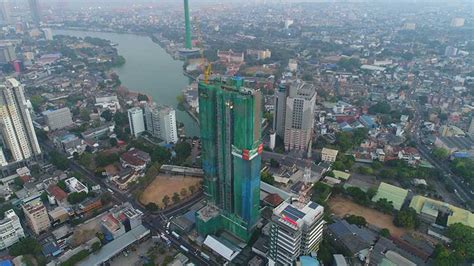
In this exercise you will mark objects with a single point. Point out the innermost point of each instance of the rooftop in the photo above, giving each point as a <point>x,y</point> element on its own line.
<point>296,214</point>
<point>114,247</point>
<point>392,193</point>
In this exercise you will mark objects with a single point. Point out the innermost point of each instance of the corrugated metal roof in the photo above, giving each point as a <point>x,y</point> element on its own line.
<point>392,193</point>
<point>221,249</point>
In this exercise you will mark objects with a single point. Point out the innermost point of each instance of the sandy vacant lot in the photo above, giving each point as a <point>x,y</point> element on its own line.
<point>167,185</point>
<point>342,207</point>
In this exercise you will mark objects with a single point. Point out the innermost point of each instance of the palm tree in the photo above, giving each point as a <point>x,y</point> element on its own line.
<point>183,192</point>
<point>176,198</point>
<point>166,200</point>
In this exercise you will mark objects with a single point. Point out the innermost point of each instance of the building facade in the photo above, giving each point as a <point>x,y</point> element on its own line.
<point>7,53</point>
<point>296,230</point>
<point>16,125</point>
<point>10,230</point>
<point>230,122</point>
<point>329,155</point>
<point>161,123</point>
<point>294,114</point>
<point>36,216</point>
<point>57,119</point>
<point>35,11</point>
<point>136,121</point>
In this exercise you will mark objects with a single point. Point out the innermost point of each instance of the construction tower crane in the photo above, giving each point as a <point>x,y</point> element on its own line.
<point>208,67</point>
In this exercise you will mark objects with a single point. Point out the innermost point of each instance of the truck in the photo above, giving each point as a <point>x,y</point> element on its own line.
<point>185,249</point>
<point>175,234</point>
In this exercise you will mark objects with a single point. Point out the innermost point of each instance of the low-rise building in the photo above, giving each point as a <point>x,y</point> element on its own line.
<point>329,155</point>
<point>75,185</point>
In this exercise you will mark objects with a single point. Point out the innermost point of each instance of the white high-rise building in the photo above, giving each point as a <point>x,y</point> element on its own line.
<point>136,121</point>
<point>48,34</point>
<point>457,22</point>
<point>294,114</point>
<point>5,12</point>
<point>15,122</point>
<point>296,230</point>
<point>10,230</point>
<point>161,123</point>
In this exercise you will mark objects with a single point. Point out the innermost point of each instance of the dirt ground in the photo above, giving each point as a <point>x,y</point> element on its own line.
<point>167,185</point>
<point>342,207</point>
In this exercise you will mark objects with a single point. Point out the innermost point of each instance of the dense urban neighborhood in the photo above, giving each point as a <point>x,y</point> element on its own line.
<point>236,132</point>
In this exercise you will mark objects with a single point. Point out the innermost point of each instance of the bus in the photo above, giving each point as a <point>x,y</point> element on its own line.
<point>175,234</point>
<point>185,249</point>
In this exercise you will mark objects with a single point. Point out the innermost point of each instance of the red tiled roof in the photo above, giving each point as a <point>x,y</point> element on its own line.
<point>273,199</point>
<point>57,192</point>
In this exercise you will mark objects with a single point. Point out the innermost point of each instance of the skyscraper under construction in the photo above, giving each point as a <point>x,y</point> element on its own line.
<point>230,121</point>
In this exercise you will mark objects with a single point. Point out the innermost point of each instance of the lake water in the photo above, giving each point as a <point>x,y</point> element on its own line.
<point>148,69</point>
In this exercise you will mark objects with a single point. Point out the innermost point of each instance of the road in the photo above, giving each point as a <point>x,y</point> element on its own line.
<point>461,191</point>
<point>154,222</point>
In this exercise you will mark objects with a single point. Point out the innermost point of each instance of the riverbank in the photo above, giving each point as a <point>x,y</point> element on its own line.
<point>148,70</point>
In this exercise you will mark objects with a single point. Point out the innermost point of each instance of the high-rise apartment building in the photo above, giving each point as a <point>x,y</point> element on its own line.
<point>57,119</point>
<point>16,125</point>
<point>35,11</point>
<point>36,216</point>
<point>294,114</point>
<point>7,53</point>
<point>230,122</point>
<point>296,230</point>
<point>10,230</point>
<point>136,121</point>
<point>161,122</point>
<point>5,12</point>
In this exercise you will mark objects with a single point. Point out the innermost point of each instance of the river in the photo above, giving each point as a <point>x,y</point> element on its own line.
<point>148,69</point>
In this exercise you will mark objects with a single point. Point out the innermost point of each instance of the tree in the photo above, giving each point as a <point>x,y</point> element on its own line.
<point>62,185</point>
<point>267,178</point>
<point>59,160</point>
<point>462,237</point>
<point>120,119</point>
<point>18,183</point>
<point>440,153</point>
<point>44,197</point>
<point>184,192</point>
<point>142,97</point>
<point>166,200</point>
<point>113,142</point>
<point>380,108</point>
<point>104,159</point>
<point>85,115</point>
<point>152,207</point>
<point>371,192</point>
<point>37,101</point>
<point>358,195</point>
<point>406,218</point>
<point>183,150</point>
<point>96,247</point>
<point>385,232</point>
<point>27,245</point>
<point>384,205</point>
<point>320,192</point>
<point>76,197</point>
<point>160,155</point>
<point>107,115</point>
<point>176,198</point>
<point>85,159</point>
<point>365,170</point>
<point>106,198</point>
<point>192,189</point>
<point>274,163</point>
<point>357,220</point>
